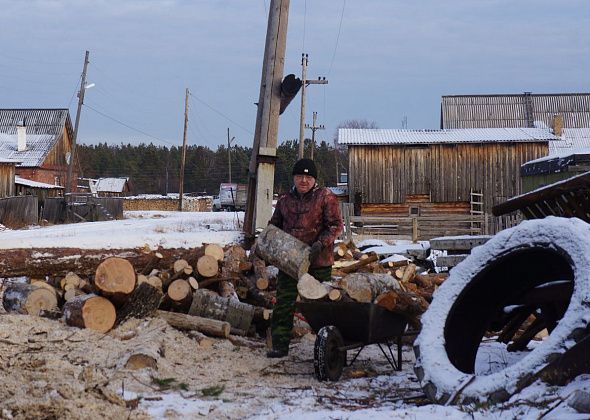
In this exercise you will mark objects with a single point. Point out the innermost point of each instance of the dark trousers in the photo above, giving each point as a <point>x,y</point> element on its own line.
<point>284,309</point>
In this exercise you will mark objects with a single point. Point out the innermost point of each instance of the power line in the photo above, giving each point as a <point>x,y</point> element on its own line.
<point>221,113</point>
<point>127,125</point>
<point>337,37</point>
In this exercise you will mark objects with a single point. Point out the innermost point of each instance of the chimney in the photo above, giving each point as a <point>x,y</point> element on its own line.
<point>21,137</point>
<point>557,125</point>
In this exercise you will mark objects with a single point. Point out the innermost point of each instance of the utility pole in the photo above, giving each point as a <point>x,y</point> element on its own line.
<point>313,129</point>
<point>229,153</point>
<point>262,161</point>
<point>181,186</point>
<point>304,84</point>
<point>68,186</point>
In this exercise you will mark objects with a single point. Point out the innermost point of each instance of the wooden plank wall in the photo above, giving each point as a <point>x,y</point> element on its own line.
<point>388,174</point>
<point>7,179</point>
<point>16,212</point>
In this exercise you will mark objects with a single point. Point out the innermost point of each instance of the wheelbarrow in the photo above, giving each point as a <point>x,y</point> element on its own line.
<point>344,326</point>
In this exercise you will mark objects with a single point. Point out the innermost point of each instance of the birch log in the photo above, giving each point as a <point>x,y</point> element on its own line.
<point>90,311</point>
<point>28,299</point>
<point>284,251</point>
<point>365,287</point>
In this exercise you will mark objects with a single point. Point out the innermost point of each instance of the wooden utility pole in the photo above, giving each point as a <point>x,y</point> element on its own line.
<point>313,129</point>
<point>68,186</point>
<point>262,161</point>
<point>229,153</point>
<point>304,84</point>
<point>183,159</point>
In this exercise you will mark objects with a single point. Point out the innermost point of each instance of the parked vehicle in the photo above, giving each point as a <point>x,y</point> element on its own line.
<point>232,196</point>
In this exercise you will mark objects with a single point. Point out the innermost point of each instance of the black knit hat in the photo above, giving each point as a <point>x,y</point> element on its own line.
<point>305,167</point>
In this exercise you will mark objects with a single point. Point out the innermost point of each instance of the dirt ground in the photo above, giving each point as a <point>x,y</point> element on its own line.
<point>49,370</point>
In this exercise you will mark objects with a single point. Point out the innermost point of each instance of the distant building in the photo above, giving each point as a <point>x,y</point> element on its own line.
<point>434,172</point>
<point>40,140</point>
<point>514,110</point>
<point>110,187</point>
<point>7,174</point>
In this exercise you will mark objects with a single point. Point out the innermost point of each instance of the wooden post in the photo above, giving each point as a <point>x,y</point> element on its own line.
<point>261,169</point>
<point>414,229</point>
<point>181,185</point>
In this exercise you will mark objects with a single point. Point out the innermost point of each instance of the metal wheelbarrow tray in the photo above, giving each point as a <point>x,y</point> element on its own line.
<point>343,326</point>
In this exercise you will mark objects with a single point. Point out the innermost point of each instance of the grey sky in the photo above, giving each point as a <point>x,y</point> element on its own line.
<point>392,59</point>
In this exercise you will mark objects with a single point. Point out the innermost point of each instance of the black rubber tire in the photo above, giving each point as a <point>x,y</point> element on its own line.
<point>328,359</point>
<point>533,253</point>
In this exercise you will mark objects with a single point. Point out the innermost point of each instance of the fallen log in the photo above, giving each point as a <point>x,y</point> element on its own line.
<point>207,326</point>
<point>90,311</point>
<point>28,299</point>
<point>354,267</point>
<point>207,305</point>
<point>37,262</point>
<point>310,288</point>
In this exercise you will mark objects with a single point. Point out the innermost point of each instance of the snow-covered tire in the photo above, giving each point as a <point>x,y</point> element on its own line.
<point>328,359</point>
<point>533,253</point>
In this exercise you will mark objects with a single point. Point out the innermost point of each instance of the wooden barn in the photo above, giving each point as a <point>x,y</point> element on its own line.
<point>111,187</point>
<point>423,173</point>
<point>40,140</point>
<point>515,110</point>
<point>7,174</point>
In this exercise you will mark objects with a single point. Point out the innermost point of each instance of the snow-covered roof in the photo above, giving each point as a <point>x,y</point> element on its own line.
<point>2,160</point>
<point>111,184</point>
<point>44,128</point>
<point>38,146</point>
<point>365,136</point>
<point>35,184</point>
<point>572,140</point>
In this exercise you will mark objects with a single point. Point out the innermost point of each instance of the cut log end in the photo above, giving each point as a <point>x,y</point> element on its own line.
<point>207,266</point>
<point>115,276</point>
<point>310,288</point>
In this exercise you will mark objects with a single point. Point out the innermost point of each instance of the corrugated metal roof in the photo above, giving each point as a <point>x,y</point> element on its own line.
<point>111,184</point>
<point>38,145</point>
<point>573,140</point>
<point>44,129</point>
<point>35,184</point>
<point>514,110</point>
<point>366,136</point>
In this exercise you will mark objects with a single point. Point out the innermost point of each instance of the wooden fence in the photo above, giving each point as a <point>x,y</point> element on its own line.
<point>82,208</point>
<point>416,228</point>
<point>16,212</point>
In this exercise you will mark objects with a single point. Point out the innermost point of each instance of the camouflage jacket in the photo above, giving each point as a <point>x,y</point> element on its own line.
<point>315,216</point>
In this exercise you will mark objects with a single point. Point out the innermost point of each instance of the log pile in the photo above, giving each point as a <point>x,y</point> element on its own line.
<point>398,285</point>
<point>210,290</point>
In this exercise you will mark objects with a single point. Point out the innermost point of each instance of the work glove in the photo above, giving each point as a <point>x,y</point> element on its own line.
<point>316,248</point>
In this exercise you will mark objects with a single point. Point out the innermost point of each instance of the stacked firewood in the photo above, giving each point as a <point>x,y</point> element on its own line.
<point>399,285</point>
<point>214,291</point>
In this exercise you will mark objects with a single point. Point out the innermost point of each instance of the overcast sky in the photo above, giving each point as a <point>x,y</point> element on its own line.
<point>384,60</point>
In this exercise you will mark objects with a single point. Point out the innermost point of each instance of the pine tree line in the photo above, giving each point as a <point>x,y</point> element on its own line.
<point>155,169</point>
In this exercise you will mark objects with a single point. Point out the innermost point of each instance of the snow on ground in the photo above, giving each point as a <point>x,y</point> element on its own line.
<point>155,228</point>
<point>49,369</point>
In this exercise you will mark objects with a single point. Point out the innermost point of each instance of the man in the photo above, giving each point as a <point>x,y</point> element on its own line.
<point>312,215</point>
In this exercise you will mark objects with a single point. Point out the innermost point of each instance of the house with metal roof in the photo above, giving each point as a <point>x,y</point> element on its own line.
<point>110,187</point>
<point>40,140</point>
<point>435,172</point>
<point>514,110</point>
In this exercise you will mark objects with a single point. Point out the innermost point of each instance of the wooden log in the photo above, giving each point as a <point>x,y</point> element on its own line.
<point>310,288</point>
<point>143,302</point>
<point>237,313</point>
<point>72,293</point>
<point>427,280</point>
<point>90,311</point>
<point>28,299</point>
<point>365,287</point>
<point>354,267</point>
<point>251,294</point>
<point>42,283</point>
<point>207,266</point>
<point>207,326</point>
<point>409,273</point>
<point>215,251</point>
<point>200,338</point>
<point>193,283</point>
<point>179,265</point>
<point>70,279</point>
<point>284,251</point>
<point>153,262</point>
<point>145,347</point>
<point>115,277</point>
<point>226,289</point>
<point>259,266</point>
<point>37,262</point>
<point>408,304</point>
<point>154,281</point>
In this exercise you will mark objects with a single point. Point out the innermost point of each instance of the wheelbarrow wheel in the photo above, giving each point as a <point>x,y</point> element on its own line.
<point>328,358</point>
